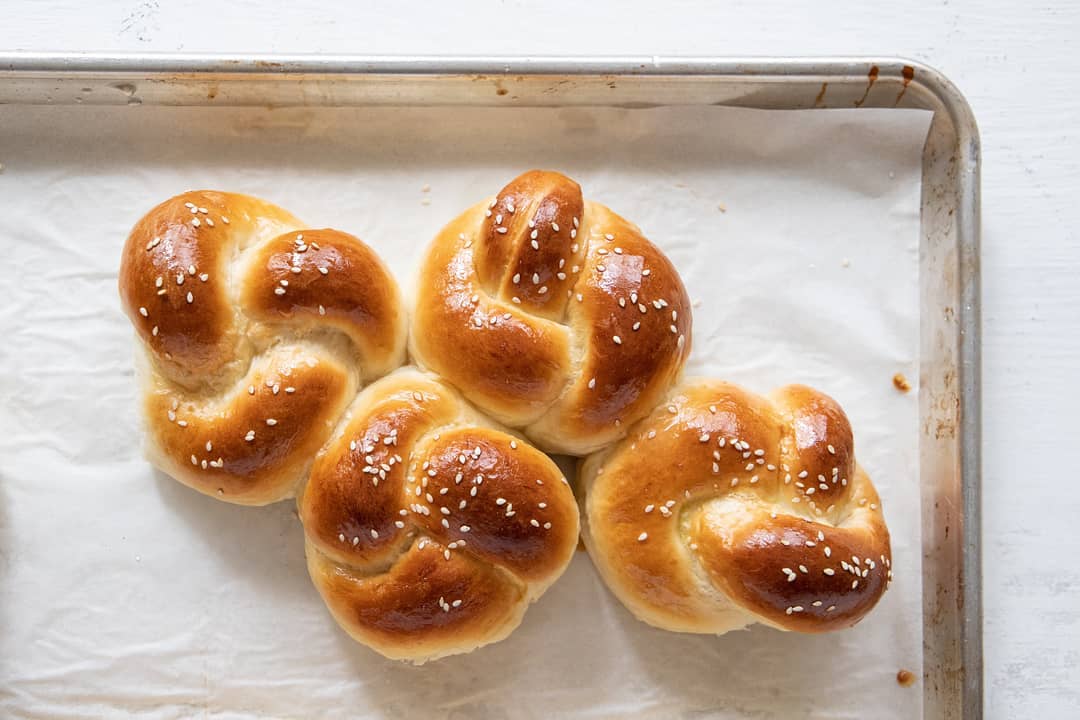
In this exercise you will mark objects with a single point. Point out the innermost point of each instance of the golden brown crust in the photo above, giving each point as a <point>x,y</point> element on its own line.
<point>175,268</point>
<point>418,498</point>
<point>246,370</point>
<point>250,444</point>
<point>423,604</point>
<point>724,508</point>
<point>337,281</point>
<point>554,314</point>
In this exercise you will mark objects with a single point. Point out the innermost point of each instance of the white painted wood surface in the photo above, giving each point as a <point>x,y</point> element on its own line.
<point>1018,65</point>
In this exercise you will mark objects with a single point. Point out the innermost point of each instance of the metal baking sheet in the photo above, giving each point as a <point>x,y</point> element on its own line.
<point>948,385</point>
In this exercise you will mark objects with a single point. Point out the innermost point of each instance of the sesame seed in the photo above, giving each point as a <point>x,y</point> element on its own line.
<point>592,383</point>
<point>190,298</point>
<point>643,537</point>
<point>271,422</point>
<point>617,339</point>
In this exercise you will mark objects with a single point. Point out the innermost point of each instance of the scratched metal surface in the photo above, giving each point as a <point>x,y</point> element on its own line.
<point>1016,64</point>
<point>949,470</point>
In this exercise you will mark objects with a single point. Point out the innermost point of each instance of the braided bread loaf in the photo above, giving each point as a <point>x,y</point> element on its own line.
<point>723,508</point>
<point>257,334</point>
<point>551,313</point>
<point>429,530</point>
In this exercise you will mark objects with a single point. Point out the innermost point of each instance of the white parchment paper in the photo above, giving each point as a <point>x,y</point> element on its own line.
<point>123,593</point>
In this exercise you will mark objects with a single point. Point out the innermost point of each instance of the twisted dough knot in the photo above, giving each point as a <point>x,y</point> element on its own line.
<point>429,531</point>
<point>553,314</point>
<point>725,508</point>
<point>257,335</point>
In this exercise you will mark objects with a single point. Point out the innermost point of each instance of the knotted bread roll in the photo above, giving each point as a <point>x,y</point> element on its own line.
<point>724,508</point>
<point>257,334</point>
<point>429,530</point>
<point>551,313</point>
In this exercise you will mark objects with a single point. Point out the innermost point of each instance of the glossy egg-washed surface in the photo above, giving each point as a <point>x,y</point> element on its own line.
<point>552,313</point>
<point>257,333</point>
<point>429,531</point>
<point>724,508</point>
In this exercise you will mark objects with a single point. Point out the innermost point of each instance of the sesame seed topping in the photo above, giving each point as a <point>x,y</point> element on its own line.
<point>271,422</point>
<point>643,537</point>
<point>592,383</point>
<point>617,339</point>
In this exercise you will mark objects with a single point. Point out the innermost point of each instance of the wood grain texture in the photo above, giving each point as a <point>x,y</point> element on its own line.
<point>1017,64</point>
